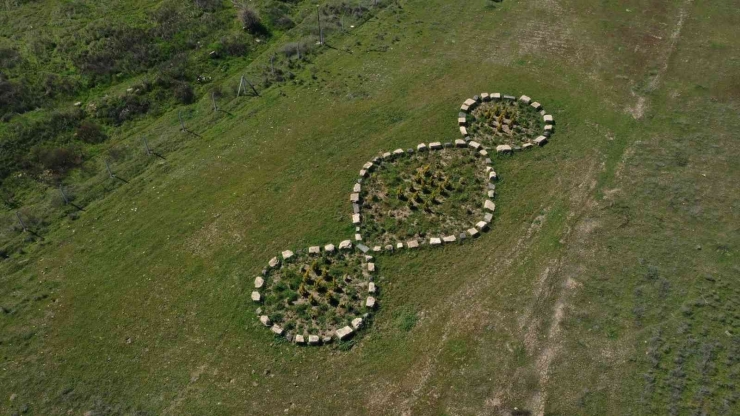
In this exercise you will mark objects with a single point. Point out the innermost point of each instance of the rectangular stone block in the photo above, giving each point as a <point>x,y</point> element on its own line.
<point>503,148</point>
<point>357,323</point>
<point>435,241</point>
<point>460,143</point>
<point>287,254</point>
<point>370,302</point>
<point>277,330</point>
<point>489,205</point>
<point>469,102</point>
<point>473,232</point>
<point>355,218</point>
<point>412,244</point>
<point>329,248</point>
<point>371,267</point>
<point>540,141</point>
<point>371,287</point>
<point>474,145</point>
<point>435,145</point>
<point>485,97</point>
<point>265,320</point>
<point>354,197</point>
<point>345,245</point>
<point>313,340</point>
<point>488,217</point>
<point>525,99</point>
<point>481,225</point>
<point>299,339</point>
<point>496,96</point>
<point>344,333</point>
<point>421,147</point>
<point>537,106</point>
<point>449,239</point>
<point>259,282</point>
<point>461,121</point>
<point>463,131</point>
<point>548,119</point>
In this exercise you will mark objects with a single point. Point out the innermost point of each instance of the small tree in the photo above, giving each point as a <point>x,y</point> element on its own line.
<point>250,19</point>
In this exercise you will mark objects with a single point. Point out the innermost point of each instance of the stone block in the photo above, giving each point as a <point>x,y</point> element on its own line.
<point>435,241</point>
<point>368,258</point>
<point>492,176</point>
<point>548,119</point>
<point>370,302</point>
<point>314,250</point>
<point>398,152</point>
<point>399,245</point>
<point>463,131</point>
<point>357,188</point>
<point>537,106</point>
<point>274,262</point>
<point>485,97</point>
<point>461,121</point>
<point>344,333</point>
<point>460,143</point>
<point>358,237</point>
<point>386,155</point>
<point>363,248</point>
<point>256,296</point>
<point>363,173</point>
<point>265,320</point>
<point>527,146</point>
<point>357,323</point>
<point>496,96</point>
<point>421,147</point>
<point>488,217</point>
<point>371,267</point>
<point>525,99</point>
<point>412,244</point>
<point>388,247</point>
<point>371,287</point>
<point>549,129</point>
<point>329,248</point>
<point>299,339</point>
<point>464,108</point>
<point>354,197</point>
<point>449,239</point>
<point>277,330</point>
<point>489,205</point>
<point>509,98</point>
<point>473,232</point>
<point>287,254</point>
<point>481,225</point>
<point>259,282</point>
<point>540,141</point>
<point>368,166</point>
<point>355,208</point>
<point>474,145</point>
<point>435,145</point>
<point>377,249</point>
<point>491,193</point>
<point>503,148</point>
<point>345,245</point>
<point>483,152</point>
<point>356,219</point>
<point>470,102</point>
<point>313,340</point>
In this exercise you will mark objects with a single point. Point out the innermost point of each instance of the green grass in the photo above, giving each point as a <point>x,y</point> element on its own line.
<point>591,267</point>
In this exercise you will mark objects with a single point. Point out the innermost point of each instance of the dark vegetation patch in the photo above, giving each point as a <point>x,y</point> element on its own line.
<point>505,122</point>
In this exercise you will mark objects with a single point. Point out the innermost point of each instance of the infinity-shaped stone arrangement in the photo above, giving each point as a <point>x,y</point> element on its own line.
<point>324,293</point>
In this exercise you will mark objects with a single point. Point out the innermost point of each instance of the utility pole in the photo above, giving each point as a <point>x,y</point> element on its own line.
<point>241,83</point>
<point>321,31</point>
<point>110,173</point>
<point>23,225</point>
<point>182,123</point>
<point>64,196</point>
<point>213,98</point>
<point>251,86</point>
<point>146,146</point>
<point>272,64</point>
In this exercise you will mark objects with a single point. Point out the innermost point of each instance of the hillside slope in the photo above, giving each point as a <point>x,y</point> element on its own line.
<point>606,286</point>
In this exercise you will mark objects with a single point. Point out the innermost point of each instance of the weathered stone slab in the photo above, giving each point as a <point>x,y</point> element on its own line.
<point>313,340</point>
<point>358,237</point>
<point>492,176</point>
<point>473,144</point>
<point>363,173</point>
<point>491,193</point>
<point>344,333</point>
<point>354,197</point>
<point>549,128</point>
<point>368,257</point>
<point>357,188</point>
<point>370,302</point>
<point>461,121</point>
<point>398,152</point>
<point>345,245</point>
<point>483,152</point>
<point>469,102</point>
<point>463,131</point>
<point>299,339</point>
<point>314,250</point>
<point>389,247</point>
<point>473,232</point>
<point>435,241</point>
<point>399,245</point>
<point>386,155</point>
<point>265,320</point>
<point>287,254</point>
<point>357,323</point>
<point>421,147</point>
<point>489,205</point>
<point>435,145</point>
<point>481,225</point>
<point>355,208</point>
<point>525,99</point>
<point>485,97</point>
<point>368,166</point>
<point>412,244</point>
<point>356,219</point>
<point>460,143</point>
<point>371,287</point>
<point>488,217</point>
<point>527,146</point>
<point>274,262</point>
<point>464,108</point>
<point>371,267</point>
<point>503,148</point>
<point>259,282</point>
<point>377,249</point>
<point>509,98</point>
<point>363,248</point>
<point>256,296</point>
<point>540,141</point>
<point>548,119</point>
<point>329,248</point>
<point>496,96</point>
<point>537,106</point>
<point>449,239</point>
<point>277,330</point>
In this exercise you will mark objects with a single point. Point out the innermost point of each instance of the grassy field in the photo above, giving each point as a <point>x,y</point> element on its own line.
<point>607,285</point>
